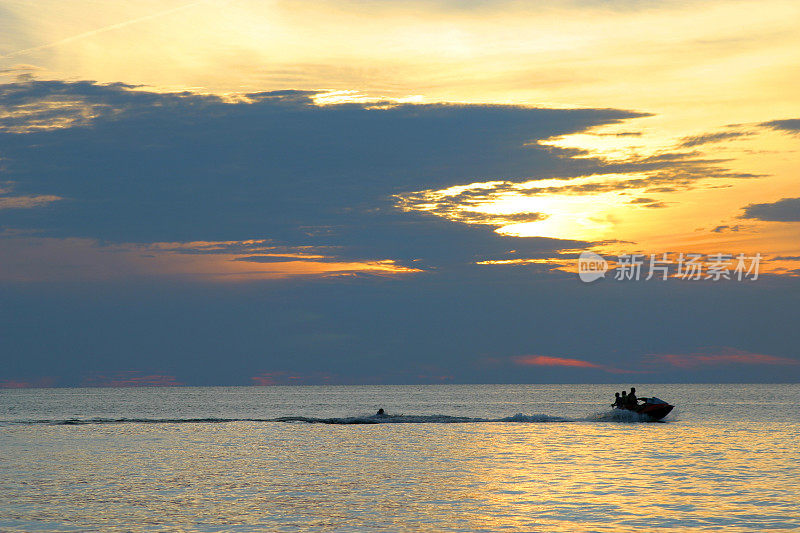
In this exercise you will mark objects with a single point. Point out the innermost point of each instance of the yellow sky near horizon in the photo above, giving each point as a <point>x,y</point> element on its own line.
<point>696,67</point>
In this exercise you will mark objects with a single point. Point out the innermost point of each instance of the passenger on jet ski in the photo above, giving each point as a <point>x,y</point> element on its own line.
<point>631,402</point>
<point>652,407</point>
<point>618,402</point>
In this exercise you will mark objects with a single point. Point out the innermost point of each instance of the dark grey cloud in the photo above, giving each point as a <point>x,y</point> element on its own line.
<point>708,138</point>
<point>148,167</point>
<point>790,125</point>
<point>135,166</point>
<point>724,228</point>
<point>620,134</point>
<point>132,166</point>
<point>504,219</point>
<point>643,200</point>
<point>20,69</point>
<point>784,210</point>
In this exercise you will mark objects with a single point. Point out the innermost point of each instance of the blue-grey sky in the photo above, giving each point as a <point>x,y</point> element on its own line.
<point>298,234</point>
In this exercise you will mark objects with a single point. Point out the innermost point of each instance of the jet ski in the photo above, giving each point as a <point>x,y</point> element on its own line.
<point>653,407</point>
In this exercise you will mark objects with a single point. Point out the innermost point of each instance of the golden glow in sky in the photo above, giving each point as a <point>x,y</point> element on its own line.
<point>31,259</point>
<point>699,69</point>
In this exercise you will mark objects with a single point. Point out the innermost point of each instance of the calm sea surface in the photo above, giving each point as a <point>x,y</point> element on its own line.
<point>448,458</point>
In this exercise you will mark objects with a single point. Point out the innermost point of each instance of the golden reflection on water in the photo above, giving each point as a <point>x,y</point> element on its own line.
<point>454,477</point>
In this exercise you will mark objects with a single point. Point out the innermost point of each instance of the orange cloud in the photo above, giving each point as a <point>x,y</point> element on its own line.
<point>131,379</point>
<point>721,356</point>
<point>543,360</point>
<point>31,259</point>
<point>12,384</point>
<point>22,384</point>
<point>265,379</point>
<point>435,378</point>
<point>27,202</point>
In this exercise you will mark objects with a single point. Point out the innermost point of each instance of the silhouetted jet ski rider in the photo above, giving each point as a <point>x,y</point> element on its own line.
<point>381,412</point>
<point>631,401</point>
<point>618,402</point>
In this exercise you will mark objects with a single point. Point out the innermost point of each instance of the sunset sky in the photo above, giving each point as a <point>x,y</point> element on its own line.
<point>291,192</point>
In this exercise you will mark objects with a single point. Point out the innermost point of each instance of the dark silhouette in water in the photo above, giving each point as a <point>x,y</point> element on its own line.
<point>653,407</point>
<point>618,401</point>
<point>632,401</point>
<point>380,412</point>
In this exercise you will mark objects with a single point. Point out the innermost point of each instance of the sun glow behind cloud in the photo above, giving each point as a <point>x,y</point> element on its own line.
<point>555,210</point>
<point>694,207</point>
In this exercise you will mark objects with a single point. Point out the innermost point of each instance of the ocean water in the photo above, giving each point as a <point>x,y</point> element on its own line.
<point>447,458</point>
